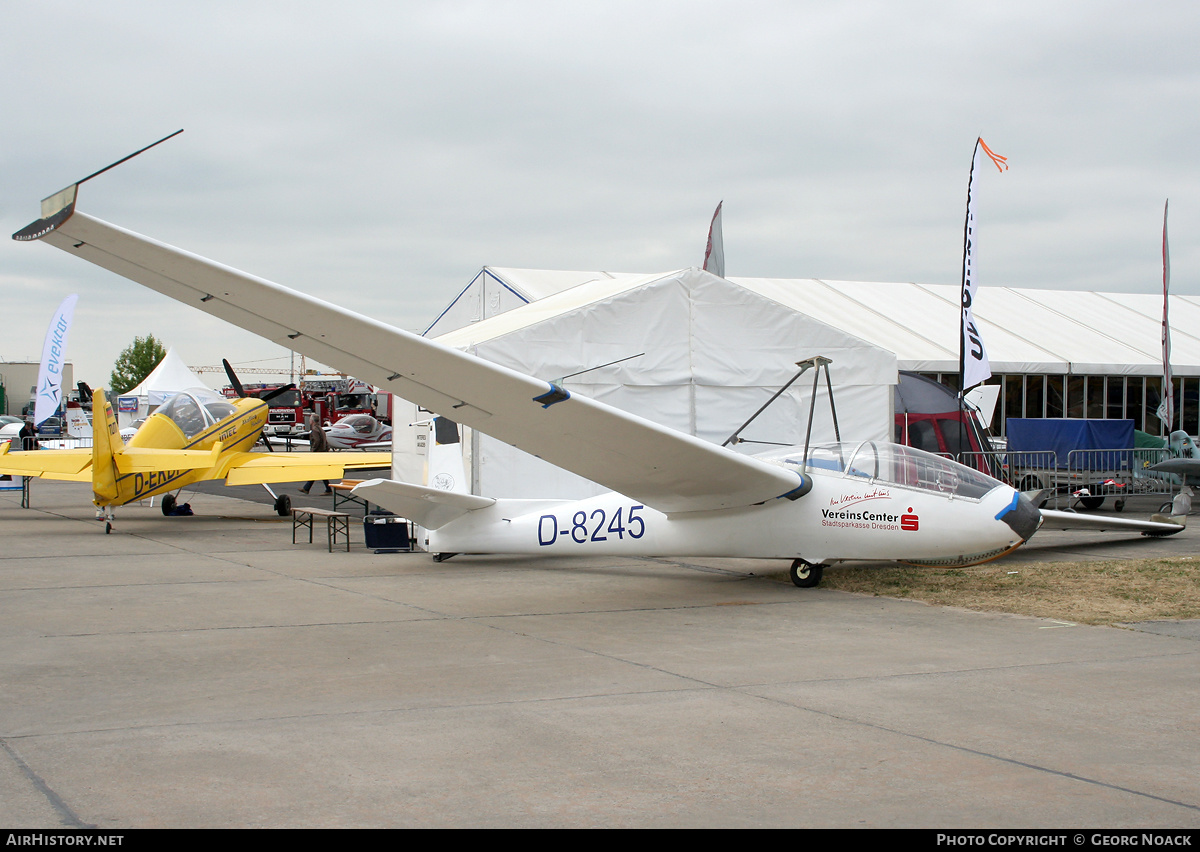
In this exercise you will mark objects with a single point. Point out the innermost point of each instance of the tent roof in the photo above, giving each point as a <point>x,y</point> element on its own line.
<point>170,376</point>
<point>595,288</point>
<point>1025,330</point>
<point>540,283</point>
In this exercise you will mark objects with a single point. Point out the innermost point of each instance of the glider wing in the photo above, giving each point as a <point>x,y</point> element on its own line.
<point>663,468</point>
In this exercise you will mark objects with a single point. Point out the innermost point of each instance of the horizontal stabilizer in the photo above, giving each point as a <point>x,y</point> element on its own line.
<point>149,459</point>
<point>72,465</point>
<point>429,507</point>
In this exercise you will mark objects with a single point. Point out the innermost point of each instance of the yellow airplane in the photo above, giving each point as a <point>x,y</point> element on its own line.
<point>194,436</point>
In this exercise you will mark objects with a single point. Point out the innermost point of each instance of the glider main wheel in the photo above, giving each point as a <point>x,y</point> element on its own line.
<point>806,574</point>
<point>168,504</point>
<point>1091,503</point>
<point>283,505</point>
<point>107,527</point>
<point>442,557</point>
<point>1119,505</point>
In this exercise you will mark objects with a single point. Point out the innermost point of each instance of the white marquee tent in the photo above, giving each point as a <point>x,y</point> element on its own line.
<point>1070,332</point>
<point>167,379</point>
<point>703,354</point>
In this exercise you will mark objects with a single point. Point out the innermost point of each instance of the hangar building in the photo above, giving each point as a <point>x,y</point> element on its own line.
<point>18,383</point>
<point>1054,353</point>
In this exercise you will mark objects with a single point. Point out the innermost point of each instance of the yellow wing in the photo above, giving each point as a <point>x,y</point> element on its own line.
<point>257,468</point>
<point>71,465</point>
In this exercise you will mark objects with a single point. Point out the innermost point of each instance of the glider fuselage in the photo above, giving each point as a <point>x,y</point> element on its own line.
<point>906,514</point>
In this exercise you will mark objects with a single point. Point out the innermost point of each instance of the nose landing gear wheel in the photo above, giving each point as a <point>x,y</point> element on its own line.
<point>806,574</point>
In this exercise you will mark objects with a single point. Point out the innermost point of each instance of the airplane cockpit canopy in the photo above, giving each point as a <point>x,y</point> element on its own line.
<point>894,465</point>
<point>364,424</point>
<point>196,409</point>
<point>219,410</point>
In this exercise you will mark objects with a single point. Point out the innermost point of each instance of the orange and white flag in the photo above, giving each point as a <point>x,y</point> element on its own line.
<point>973,358</point>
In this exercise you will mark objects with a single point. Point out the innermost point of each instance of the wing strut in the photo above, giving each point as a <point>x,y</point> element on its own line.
<point>818,361</point>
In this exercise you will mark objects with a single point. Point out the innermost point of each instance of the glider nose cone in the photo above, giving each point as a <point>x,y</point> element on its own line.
<point>1022,516</point>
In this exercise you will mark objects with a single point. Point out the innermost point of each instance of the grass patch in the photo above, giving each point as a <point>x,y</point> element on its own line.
<point>1105,592</point>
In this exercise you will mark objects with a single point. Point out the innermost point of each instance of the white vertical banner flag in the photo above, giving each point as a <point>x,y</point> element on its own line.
<point>972,354</point>
<point>1166,408</point>
<point>714,254</point>
<point>49,386</point>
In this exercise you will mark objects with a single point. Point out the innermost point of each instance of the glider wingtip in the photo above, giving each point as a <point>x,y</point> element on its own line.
<point>1179,521</point>
<point>56,209</point>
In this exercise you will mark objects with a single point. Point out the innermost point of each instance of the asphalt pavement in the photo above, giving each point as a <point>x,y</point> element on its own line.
<point>206,672</point>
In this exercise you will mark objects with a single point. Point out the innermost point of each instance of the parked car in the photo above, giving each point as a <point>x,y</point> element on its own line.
<point>51,426</point>
<point>10,427</point>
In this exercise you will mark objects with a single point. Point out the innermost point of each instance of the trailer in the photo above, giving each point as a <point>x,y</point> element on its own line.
<point>1089,459</point>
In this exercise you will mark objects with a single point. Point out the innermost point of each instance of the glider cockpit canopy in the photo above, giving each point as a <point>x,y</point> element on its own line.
<point>892,465</point>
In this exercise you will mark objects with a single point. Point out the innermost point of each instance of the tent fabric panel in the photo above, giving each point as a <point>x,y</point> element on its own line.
<point>826,303</point>
<point>743,338</point>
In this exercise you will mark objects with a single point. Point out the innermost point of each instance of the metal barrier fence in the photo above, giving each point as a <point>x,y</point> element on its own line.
<point>32,443</point>
<point>1118,474</point>
<point>66,443</point>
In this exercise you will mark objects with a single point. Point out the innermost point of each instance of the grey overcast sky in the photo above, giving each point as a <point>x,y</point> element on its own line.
<point>379,154</point>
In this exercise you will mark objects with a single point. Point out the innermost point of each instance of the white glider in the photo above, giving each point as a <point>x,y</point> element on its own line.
<point>673,494</point>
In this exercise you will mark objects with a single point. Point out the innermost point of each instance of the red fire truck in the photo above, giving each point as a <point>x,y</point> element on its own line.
<point>335,397</point>
<point>286,413</point>
<point>330,397</point>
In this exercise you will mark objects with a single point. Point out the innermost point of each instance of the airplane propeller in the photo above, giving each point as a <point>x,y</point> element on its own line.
<point>233,379</point>
<point>241,392</point>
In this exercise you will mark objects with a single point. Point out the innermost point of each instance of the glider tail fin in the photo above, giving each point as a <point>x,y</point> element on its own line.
<point>445,498</point>
<point>77,425</point>
<point>106,446</point>
<point>446,471</point>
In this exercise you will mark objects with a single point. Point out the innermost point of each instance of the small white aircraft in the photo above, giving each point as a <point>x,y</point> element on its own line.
<point>359,432</point>
<point>79,430</point>
<point>672,494</point>
<point>355,432</point>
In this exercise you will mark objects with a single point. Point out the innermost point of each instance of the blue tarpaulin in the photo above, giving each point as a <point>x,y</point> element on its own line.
<point>1062,435</point>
